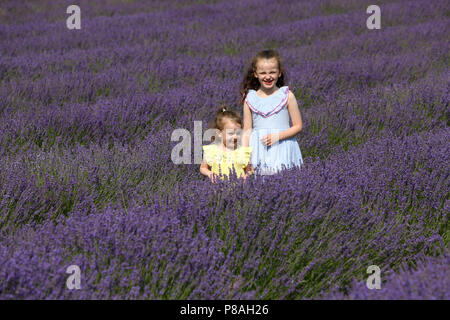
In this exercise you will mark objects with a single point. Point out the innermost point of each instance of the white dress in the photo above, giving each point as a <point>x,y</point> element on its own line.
<point>270,115</point>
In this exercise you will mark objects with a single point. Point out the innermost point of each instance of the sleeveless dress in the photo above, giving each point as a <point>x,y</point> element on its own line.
<point>222,161</point>
<point>270,115</point>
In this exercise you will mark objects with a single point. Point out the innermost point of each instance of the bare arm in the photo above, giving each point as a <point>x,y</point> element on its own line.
<point>296,118</point>
<point>206,171</point>
<point>248,126</point>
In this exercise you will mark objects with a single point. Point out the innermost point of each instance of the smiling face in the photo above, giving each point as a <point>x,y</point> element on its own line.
<point>230,133</point>
<point>267,72</point>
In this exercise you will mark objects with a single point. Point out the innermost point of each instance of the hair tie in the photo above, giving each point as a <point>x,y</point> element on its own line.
<point>223,110</point>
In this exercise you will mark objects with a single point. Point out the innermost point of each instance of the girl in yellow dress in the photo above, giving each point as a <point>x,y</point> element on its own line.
<point>221,156</point>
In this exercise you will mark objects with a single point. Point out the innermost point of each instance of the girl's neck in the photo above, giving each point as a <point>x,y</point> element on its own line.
<point>224,148</point>
<point>268,93</point>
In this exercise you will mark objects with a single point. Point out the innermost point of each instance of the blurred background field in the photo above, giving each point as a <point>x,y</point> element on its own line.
<point>86,176</point>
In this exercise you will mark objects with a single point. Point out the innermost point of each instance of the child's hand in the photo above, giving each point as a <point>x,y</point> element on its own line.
<point>213,177</point>
<point>270,139</point>
<point>249,170</point>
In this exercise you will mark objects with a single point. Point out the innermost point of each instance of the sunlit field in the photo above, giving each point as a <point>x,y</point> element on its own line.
<point>87,177</point>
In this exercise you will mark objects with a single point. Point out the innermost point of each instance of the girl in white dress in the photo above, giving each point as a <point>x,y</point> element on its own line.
<point>268,105</point>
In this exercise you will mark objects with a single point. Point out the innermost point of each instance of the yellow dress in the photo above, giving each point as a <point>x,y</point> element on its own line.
<point>222,161</point>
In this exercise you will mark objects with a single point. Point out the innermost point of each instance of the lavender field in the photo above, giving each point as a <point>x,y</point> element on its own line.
<point>86,176</point>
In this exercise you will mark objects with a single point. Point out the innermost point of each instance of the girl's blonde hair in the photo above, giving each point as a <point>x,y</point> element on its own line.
<point>250,82</point>
<point>224,113</point>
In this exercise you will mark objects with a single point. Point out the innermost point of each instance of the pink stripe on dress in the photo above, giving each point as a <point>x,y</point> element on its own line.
<point>265,115</point>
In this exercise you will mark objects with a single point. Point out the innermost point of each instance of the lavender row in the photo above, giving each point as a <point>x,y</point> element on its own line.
<point>165,30</point>
<point>382,203</point>
<point>319,77</point>
<point>134,255</point>
<point>429,279</point>
<point>29,14</point>
<point>86,175</point>
<point>358,115</point>
<point>206,16</point>
<point>344,120</point>
<point>392,41</point>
